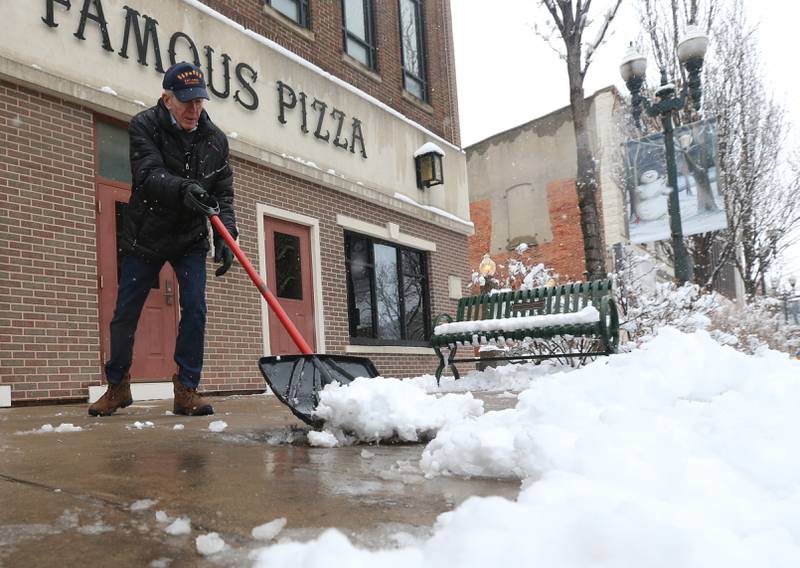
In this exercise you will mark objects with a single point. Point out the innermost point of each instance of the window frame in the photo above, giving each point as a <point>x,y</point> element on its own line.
<point>303,10</point>
<point>419,23</point>
<point>351,300</point>
<point>369,30</point>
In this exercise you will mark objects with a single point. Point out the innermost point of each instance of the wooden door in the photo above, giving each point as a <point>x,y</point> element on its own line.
<point>288,250</point>
<point>154,343</point>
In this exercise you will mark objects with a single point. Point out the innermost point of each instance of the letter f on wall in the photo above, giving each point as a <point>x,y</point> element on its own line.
<point>49,17</point>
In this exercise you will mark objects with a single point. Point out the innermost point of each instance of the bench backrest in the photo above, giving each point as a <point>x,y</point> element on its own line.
<point>564,299</point>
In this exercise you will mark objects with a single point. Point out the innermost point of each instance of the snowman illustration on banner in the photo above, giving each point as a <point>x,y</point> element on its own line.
<point>651,193</point>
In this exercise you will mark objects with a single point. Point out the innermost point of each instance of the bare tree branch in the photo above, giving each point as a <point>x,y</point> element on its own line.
<point>592,47</point>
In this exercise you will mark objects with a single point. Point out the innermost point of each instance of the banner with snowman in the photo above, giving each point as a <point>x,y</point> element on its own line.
<point>702,207</point>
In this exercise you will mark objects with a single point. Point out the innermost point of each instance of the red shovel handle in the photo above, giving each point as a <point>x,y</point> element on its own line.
<point>262,286</point>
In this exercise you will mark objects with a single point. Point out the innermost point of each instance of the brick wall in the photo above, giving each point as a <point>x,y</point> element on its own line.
<point>326,49</point>
<point>49,334</point>
<point>564,253</point>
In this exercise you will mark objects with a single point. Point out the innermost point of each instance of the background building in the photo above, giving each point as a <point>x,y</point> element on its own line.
<point>522,188</point>
<point>325,104</point>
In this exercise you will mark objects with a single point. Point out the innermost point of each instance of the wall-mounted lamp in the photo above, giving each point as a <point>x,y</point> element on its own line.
<point>428,160</point>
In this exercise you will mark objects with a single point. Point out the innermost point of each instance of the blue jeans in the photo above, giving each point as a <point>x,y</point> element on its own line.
<point>136,278</point>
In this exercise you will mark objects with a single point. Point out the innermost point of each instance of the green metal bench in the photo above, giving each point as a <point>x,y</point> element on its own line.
<point>599,337</point>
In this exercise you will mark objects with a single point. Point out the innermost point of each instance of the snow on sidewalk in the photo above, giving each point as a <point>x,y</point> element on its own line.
<point>683,453</point>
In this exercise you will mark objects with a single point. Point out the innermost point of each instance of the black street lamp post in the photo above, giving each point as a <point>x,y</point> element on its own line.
<point>691,51</point>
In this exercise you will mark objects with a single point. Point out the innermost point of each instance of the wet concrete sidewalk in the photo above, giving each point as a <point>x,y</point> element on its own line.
<point>65,498</point>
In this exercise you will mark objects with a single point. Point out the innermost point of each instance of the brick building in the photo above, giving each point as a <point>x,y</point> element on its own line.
<point>325,104</point>
<point>522,189</point>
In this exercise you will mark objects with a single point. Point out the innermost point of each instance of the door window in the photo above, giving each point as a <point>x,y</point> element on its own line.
<point>288,273</point>
<point>113,149</point>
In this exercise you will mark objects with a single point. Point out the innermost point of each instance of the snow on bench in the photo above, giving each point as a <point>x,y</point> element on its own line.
<point>589,314</point>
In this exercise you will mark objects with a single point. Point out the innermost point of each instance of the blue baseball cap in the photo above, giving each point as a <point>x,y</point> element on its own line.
<point>186,81</point>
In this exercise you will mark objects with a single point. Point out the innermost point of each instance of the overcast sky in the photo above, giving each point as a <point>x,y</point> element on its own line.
<point>507,75</point>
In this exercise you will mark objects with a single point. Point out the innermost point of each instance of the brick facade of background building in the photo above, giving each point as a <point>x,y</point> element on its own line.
<point>49,307</point>
<point>564,254</point>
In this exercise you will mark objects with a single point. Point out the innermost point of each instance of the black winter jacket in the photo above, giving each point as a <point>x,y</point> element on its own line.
<point>164,160</point>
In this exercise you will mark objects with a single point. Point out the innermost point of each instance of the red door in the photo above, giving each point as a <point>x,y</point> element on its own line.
<point>288,249</point>
<point>154,344</point>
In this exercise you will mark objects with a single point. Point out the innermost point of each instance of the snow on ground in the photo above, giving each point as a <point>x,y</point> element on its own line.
<point>179,526</point>
<point>269,530</point>
<point>48,428</point>
<point>682,453</point>
<point>217,426</point>
<point>61,428</point>
<point>210,543</point>
<point>142,504</point>
<point>494,379</point>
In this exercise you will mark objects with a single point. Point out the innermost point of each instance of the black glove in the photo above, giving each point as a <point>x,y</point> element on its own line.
<point>223,254</point>
<point>193,193</point>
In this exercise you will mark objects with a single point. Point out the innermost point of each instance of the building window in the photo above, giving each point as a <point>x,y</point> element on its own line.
<point>113,152</point>
<point>413,41</point>
<point>359,31</point>
<point>387,293</point>
<point>295,10</point>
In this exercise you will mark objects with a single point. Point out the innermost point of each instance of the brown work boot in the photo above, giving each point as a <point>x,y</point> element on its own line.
<point>116,396</point>
<point>188,402</point>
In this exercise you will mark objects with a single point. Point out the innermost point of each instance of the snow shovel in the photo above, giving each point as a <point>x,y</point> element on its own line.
<point>295,379</point>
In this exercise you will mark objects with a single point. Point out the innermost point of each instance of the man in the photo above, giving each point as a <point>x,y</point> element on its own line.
<point>178,157</point>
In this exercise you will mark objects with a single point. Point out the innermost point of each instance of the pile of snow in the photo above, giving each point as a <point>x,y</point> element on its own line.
<point>389,409</point>
<point>142,504</point>
<point>179,526</point>
<point>217,426</point>
<point>269,530</point>
<point>514,378</point>
<point>324,439</point>
<point>63,427</point>
<point>210,543</point>
<point>682,453</point>
<point>142,425</point>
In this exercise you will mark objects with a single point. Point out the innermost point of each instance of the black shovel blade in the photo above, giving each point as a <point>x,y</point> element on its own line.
<point>297,379</point>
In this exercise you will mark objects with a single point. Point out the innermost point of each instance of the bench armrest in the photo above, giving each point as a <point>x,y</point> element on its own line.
<point>609,323</point>
<point>439,319</point>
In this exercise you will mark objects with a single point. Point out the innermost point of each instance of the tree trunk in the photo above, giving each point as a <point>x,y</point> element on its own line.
<point>586,177</point>
<point>702,245</point>
<point>698,161</point>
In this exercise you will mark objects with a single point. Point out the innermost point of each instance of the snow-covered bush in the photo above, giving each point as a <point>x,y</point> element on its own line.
<point>647,305</point>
